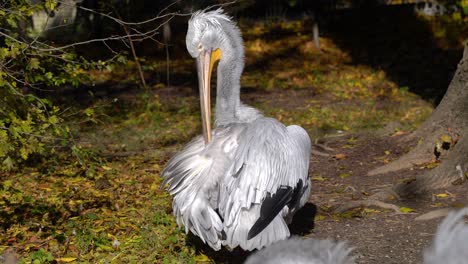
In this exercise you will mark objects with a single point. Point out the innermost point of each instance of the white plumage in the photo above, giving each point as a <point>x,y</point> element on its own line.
<point>450,246</point>
<point>450,243</point>
<point>303,251</point>
<point>242,185</point>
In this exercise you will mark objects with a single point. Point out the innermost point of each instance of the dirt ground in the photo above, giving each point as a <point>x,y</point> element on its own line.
<point>378,237</point>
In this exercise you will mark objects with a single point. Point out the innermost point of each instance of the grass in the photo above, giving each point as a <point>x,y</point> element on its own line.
<point>111,209</point>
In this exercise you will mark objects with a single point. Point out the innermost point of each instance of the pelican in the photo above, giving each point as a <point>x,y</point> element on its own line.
<point>450,241</point>
<point>240,183</point>
<point>303,251</point>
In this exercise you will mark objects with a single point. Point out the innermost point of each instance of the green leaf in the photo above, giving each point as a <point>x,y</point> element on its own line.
<point>7,184</point>
<point>33,64</point>
<point>89,112</point>
<point>49,75</point>
<point>24,153</point>
<point>50,4</point>
<point>8,164</point>
<point>12,22</point>
<point>53,119</point>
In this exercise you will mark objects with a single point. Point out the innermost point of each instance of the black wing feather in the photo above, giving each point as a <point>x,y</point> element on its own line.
<point>271,206</point>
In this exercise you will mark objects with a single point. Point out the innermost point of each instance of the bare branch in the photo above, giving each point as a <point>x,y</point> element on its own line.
<point>121,22</point>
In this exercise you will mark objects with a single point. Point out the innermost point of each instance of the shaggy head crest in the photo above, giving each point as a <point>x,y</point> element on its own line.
<point>209,30</point>
<point>213,18</point>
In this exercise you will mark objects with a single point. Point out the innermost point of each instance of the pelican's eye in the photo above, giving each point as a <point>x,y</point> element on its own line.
<point>200,47</point>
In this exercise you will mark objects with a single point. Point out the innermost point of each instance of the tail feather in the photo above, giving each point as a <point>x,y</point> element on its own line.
<point>187,174</point>
<point>205,223</point>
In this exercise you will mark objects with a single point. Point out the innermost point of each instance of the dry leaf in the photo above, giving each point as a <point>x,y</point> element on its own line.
<point>339,156</point>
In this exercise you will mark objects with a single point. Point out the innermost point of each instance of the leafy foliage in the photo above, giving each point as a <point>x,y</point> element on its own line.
<point>31,125</point>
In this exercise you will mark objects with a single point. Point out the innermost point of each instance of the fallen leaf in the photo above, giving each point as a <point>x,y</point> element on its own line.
<point>431,165</point>
<point>106,168</point>
<point>339,156</point>
<point>442,195</point>
<point>66,260</point>
<point>368,210</point>
<point>344,175</point>
<point>398,133</point>
<point>320,178</point>
<point>319,218</point>
<point>202,258</point>
<point>446,138</point>
<point>406,210</point>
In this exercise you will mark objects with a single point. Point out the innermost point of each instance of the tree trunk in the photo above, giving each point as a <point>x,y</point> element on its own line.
<point>315,30</point>
<point>443,136</point>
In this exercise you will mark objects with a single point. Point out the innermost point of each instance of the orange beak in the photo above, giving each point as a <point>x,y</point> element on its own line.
<point>205,63</point>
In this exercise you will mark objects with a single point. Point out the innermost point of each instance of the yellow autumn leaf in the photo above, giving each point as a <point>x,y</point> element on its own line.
<point>66,260</point>
<point>202,258</point>
<point>442,195</point>
<point>406,210</point>
<point>345,175</point>
<point>106,168</point>
<point>446,138</point>
<point>105,247</point>
<point>319,217</point>
<point>369,210</point>
<point>431,165</point>
<point>320,178</point>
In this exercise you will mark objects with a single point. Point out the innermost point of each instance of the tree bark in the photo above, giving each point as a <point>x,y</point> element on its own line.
<point>442,137</point>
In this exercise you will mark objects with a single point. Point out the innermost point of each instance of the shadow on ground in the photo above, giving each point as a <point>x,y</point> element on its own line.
<point>302,224</point>
<point>394,39</point>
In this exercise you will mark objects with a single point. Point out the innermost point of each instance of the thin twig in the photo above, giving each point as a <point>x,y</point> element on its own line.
<point>135,57</point>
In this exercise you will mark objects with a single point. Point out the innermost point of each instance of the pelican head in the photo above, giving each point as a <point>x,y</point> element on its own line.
<point>209,36</point>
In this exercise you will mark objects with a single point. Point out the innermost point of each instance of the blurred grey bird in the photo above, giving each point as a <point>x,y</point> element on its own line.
<point>240,183</point>
<point>303,251</point>
<point>450,243</point>
<point>450,246</point>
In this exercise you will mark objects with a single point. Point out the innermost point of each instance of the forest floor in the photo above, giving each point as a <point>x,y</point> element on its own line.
<point>108,206</point>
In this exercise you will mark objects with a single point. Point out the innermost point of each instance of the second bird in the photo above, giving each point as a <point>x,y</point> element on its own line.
<point>240,183</point>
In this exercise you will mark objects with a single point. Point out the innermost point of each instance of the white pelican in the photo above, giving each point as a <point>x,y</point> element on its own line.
<point>450,241</point>
<point>239,184</point>
<point>303,251</point>
<point>449,246</point>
